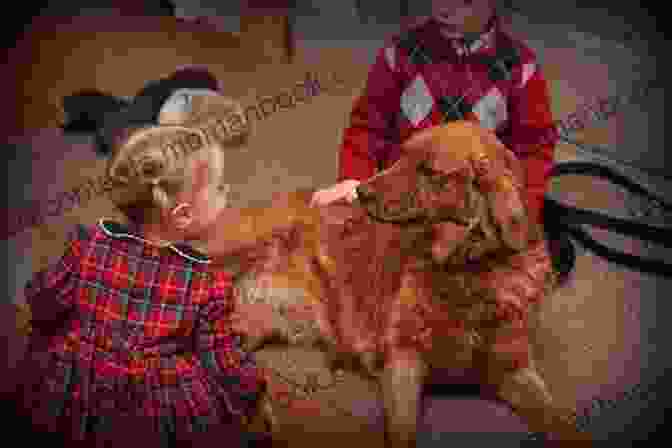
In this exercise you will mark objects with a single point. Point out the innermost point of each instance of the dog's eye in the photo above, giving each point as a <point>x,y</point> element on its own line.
<point>441,181</point>
<point>426,170</point>
<point>436,178</point>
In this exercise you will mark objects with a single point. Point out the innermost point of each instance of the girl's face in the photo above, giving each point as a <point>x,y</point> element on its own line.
<point>458,17</point>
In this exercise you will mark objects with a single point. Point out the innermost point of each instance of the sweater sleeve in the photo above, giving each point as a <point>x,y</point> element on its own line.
<point>531,133</point>
<point>233,371</point>
<point>50,291</point>
<point>372,130</point>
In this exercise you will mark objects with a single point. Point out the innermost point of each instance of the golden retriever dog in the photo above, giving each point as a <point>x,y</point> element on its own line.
<point>435,266</point>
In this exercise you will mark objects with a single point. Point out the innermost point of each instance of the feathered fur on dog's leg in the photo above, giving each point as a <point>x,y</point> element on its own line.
<point>526,392</point>
<point>401,387</point>
<point>264,418</point>
<point>268,414</point>
<point>369,360</point>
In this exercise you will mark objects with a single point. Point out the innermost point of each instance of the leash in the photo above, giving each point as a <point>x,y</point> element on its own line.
<point>565,223</point>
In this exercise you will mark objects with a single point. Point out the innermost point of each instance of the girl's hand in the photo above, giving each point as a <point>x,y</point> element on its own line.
<point>255,320</point>
<point>343,190</point>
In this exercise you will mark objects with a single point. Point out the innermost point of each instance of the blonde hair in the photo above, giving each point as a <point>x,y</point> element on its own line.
<point>221,118</point>
<point>155,164</point>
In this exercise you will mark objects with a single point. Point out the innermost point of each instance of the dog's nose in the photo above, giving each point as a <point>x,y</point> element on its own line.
<point>365,193</point>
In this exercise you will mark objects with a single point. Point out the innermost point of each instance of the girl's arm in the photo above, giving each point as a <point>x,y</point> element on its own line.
<point>50,291</point>
<point>219,350</point>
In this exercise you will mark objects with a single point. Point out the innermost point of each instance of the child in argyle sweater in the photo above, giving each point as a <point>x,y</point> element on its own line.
<point>135,337</point>
<point>457,64</point>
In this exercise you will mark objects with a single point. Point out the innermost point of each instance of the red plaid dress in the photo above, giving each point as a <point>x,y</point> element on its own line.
<point>133,341</point>
<point>420,79</point>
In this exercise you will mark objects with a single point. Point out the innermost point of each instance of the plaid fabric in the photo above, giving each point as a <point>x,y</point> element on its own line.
<point>124,330</point>
<point>420,80</point>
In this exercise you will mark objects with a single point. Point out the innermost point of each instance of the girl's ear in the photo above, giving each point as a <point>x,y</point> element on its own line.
<point>182,215</point>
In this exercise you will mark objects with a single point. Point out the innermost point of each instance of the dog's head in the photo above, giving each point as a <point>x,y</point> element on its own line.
<point>461,181</point>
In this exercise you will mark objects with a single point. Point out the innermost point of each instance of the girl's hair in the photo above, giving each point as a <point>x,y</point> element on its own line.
<point>152,165</point>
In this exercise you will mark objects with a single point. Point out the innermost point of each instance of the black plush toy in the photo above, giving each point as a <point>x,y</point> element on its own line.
<point>103,115</point>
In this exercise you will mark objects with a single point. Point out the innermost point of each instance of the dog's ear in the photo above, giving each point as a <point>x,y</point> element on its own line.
<point>501,179</point>
<point>507,208</point>
<point>447,236</point>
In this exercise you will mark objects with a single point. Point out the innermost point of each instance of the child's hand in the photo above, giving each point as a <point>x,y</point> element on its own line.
<point>343,190</point>
<point>255,320</point>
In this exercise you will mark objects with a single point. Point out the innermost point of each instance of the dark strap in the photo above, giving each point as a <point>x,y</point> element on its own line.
<point>564,222</point>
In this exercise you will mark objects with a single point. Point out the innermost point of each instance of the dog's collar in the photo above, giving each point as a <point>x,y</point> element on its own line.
<point>115,229</point>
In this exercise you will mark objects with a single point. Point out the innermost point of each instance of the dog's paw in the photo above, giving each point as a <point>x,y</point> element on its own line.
<point>268,416</point>
<point>264,420</point>
<point>253,343</point>
<point>369,360</point>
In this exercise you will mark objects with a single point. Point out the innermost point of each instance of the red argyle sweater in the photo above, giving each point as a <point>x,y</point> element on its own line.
<point>421,79</point>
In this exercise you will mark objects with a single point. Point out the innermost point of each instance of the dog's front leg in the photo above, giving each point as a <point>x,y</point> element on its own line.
<point>401,386</point>
<point>526,392</point>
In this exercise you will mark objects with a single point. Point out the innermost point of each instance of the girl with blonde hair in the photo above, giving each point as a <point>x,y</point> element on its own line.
<point>134,333</point>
